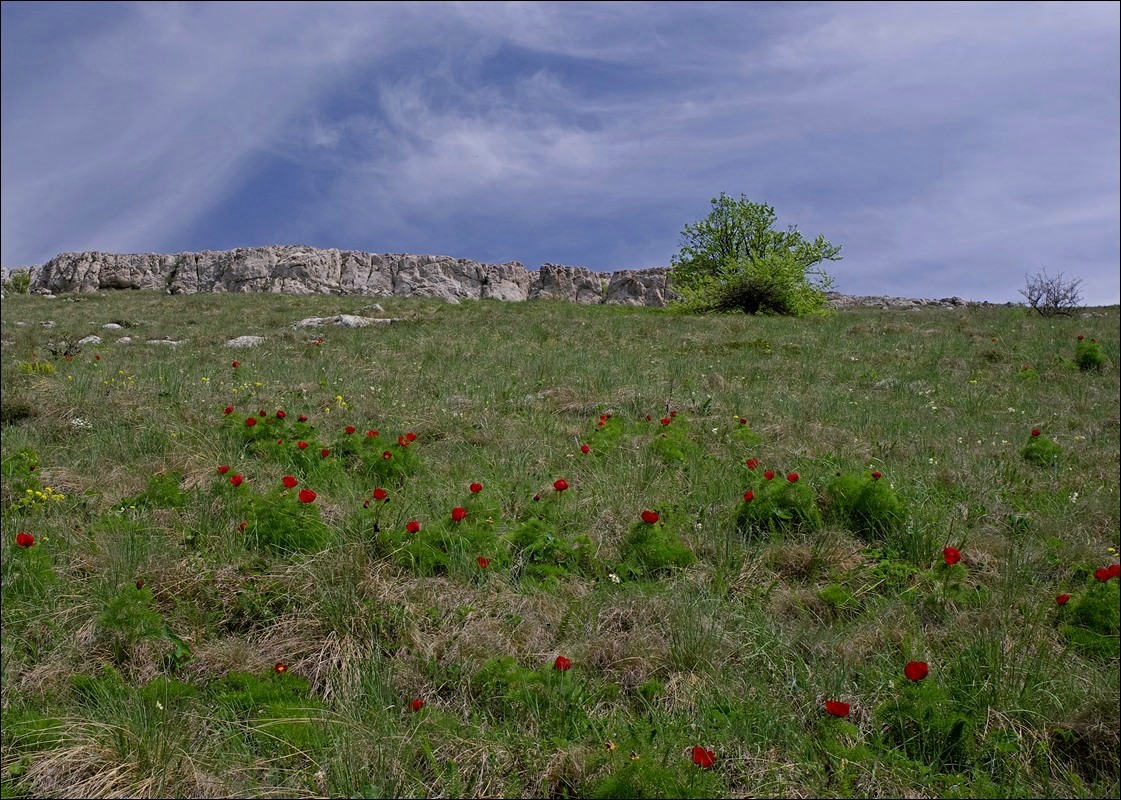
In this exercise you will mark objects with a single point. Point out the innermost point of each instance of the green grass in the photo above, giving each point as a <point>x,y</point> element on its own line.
<point>142,630</point>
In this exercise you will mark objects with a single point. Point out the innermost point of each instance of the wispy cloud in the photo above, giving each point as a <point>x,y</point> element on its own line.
<point>949,147</point>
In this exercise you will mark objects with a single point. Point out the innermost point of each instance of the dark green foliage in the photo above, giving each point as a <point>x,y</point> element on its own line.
<point>734,260</point>
<point>1041,451</point>
<point>163,491</point>
<point>866,506</point>
<point>779,505</point>
<point>923,724</point>
<point>652,551</point>
<point>1088,356</point>
<point>278,715</point>
<point>1092,621</point>
<point>542,553</point>
<point>280,522</point>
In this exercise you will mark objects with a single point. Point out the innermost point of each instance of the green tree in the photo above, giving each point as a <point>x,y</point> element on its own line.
<point>735,260</point>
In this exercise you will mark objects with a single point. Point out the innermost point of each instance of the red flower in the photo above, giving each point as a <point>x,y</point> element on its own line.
<point>458,514</point>
<point>140,583</point>
<point>877,475</point>
<point>380,494</point>
<point>537,497</point>
<point>97,358</point>
<point>349,430</point>
<point>951,555</point>
<point>242,526</point>
<point>743,421</point>
<point>647,417</point>
<point>562,664</point>
<point>235,364</point>
<point>262,413</point>
<point>281,414</point>
<point>280,441</point>
<point>412,526</point>
<point>410,437</point>
<point>650,517</point>
<point>236,480</point>
<point>228,410</point>
<point>1062,599</point>
<point>748,496</point>
<point>402,442</point>
<point>324,453</point>
<point>25,539</point>
<point>585,449</point>
<point>1080,337</point>
<point>703,758</point>
<point>1115,570</point>
<point>306,496</point>
<point>416,704</point>
<point>673,414</point>
<point>792,477</point>
<point>289,481</point>
<point>835,708</point>
<point>250,421</point>
<point>752,463</point>
<point>301,445</point>
<point>560,484</point>
<point>280,667</point>
<point>665,420</point>
<point>475,488</point>
<point>370,434</point>
<point>222,470</point>
<point>1036,432</point>
<point>1103,574</point>
<point>769,476</point>
<point>484,562</point>
<point>302,418</point>
<point>916,670</point>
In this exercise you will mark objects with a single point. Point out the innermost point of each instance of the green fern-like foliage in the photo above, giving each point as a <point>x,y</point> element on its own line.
<point>866,506</point>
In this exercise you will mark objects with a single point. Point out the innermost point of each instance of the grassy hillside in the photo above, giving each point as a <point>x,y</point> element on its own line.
<point>549,560</point>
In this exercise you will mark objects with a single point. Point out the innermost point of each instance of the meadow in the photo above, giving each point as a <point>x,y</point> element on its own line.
<point>540,549</point>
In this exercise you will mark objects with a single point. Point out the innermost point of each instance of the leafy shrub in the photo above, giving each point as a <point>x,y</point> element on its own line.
<point>542,553</point>
<point>1093,621</point>
<point>281,522</point>
<point>163,491</point>
<point>922,723</point>
<point>865,505</point>
<point>129,618</point>
<point>653,550</point>
<point>278,712</point>
<point>672,442</point>
<point>1041,450</point>
<point>18,281</point>
<point>1088,355</point>
<point>779,504</point>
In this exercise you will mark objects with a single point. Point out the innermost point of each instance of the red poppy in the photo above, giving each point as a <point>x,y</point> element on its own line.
<point>1036,432</point>
<point>484,562</point>
<point>458,514</point>
<point>665,420</point>
<point>748,496</point>
<point>560,484</point>
<point>242,526</point>
<point>262,413</point>
<point>280,441</point>
<point>236,480</point>
<point>306,496</point>
<point>412,526</point>
<point>302,418</point>
<point>25,539</point>
<point>951,555</point>
<point>792,477</point>
<point>380,494</point>
<point>1062,599</point>
<point>1115,570</point>
<point>140,584</point>
<point>416,704</point>
<point>585,449</point>
<point>1080,337</point>
<point>743,421</point>
<point>410,437</point>
<point>916,670</point>
<point>370,434</point>
<point>301,445</point>
<point>475,488</point>
<point>281,414</point>
<point>289,481</point>
<point>235,364</point>
<point>97,358</point>
<point>536,497</point>
<point>752,463</point>
<point>835,708</point>
<point>1103,574</point>
<point>703,758</point>
<point>877,475</point>
<point>769,476</point>
<point>349,430</point>
<point>673,414</point>
<point>250,421</point>
<point>222,470</point>
<point>650,517</point>
<point>386,455</point>
<point>402,442</point>
<point>228,410</point>
<point>562,664</point>
<point>324,453</point>
<point>647,417</point>
<point>280,668</point>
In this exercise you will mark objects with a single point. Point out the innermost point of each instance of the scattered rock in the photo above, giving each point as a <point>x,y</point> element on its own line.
<point>50,323</point>
<point>112,326</point>
<point>90,340</point>
<point>166,340</point>
<point>125,340</point>
<point>245,341</point>
<point>343,321</point>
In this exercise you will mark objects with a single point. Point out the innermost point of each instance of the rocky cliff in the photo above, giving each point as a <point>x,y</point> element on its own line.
<point>307,270</point>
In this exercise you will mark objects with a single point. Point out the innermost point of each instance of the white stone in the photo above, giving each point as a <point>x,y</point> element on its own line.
<point>90,340</point>
<point>245,341</point>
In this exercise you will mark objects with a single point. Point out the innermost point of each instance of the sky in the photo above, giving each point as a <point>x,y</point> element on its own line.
<point>951,149</point>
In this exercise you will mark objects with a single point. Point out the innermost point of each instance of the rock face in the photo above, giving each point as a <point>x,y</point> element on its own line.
<point>307,270</point>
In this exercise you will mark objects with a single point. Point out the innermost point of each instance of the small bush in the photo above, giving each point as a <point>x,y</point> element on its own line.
<point>651,551</point>
<point>1052,295</point>
<point>1041,451</point>
<point>18,281</point>
<point>1088,355</point>
<point>779,504</point>
<point>1093,621</point>
<point>865,505</point>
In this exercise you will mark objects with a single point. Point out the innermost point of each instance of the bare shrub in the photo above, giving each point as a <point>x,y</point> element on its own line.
<point>1052,295</point>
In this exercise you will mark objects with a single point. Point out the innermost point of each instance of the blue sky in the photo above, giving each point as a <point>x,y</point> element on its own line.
<point>949,148</point>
